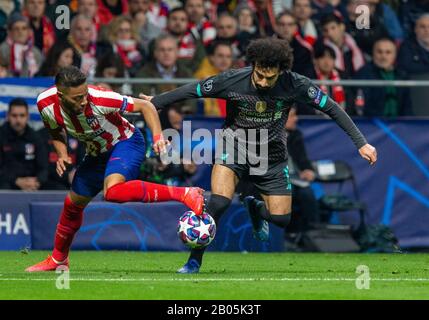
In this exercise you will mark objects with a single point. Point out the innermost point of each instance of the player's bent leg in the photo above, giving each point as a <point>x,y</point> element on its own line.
<point>275,209</point>
<point>117,190</point>
<point>70,222</point>
<point>223,185</point>
<point>260,227</point>
<point>278,209</point>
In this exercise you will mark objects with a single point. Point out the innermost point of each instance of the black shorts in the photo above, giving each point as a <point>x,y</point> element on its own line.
<point>275,181</point>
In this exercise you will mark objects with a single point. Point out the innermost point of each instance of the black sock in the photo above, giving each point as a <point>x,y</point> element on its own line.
<point>280,220</point>
<point>216,208</point>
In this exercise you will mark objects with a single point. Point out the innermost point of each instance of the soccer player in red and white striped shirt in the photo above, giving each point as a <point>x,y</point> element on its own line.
<point>115,151</point>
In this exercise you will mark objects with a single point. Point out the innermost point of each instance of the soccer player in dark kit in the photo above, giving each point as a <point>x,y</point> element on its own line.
<point>259,98</point>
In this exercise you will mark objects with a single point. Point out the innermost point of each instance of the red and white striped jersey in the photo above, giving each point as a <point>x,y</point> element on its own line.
<point>100,126</point>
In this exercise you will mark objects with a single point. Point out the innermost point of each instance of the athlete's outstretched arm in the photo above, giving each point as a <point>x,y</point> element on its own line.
<point>151,117</point>
<point>367,151</point>
<point>59,140</point>
<point>310,94</point>
<point>212,87</point>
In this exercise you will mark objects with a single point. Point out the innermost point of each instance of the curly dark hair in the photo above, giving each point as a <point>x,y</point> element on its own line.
<point>270,53</point>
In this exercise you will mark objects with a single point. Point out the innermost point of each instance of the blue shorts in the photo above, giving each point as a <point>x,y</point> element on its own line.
<point>124,158</point>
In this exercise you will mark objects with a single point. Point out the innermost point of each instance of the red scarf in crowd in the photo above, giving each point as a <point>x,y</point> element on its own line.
<point>357,56</point>
<point>338,93</point>
<point>48,35</point>
<point>20,55</point>
<point>48,31</point>
<point>128,52</point>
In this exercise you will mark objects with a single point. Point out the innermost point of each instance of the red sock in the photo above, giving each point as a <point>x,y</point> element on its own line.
<point>137,190</point>
<point>69,224</point>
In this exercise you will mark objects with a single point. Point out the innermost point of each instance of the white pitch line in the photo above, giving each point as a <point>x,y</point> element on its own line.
<point>218,279</point>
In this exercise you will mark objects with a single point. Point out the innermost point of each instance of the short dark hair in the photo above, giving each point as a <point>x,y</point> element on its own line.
<point>270,53</point>
<point>331,17</point>
<point>18,102</point>
<point>323,50</point>
<point>285,13</point>
<point>211,48</point>
<point>70,76</point>
<point>177,9</point>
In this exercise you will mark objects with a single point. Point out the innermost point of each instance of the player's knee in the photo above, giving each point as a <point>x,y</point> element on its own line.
<point>280,220</point>
<point>218,205</point>
<point>114,193</point>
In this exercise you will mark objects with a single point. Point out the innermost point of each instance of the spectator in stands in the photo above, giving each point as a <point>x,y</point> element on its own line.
<point>166,66</point>
<point>384,15</point>
<point>349,57</point>
<point>86,51</point>
<point>266,16</point>
<point>6,8</point>
<point>157,14</point>
<point>287,28</point>
<point>191,49</point>
<point>23,155</point>
<point>60,56</point>
<point>43,29</point>
<point>76,152</point>
<point>307,29</point>
<point>125,40</point>
<point>139,11</point>
<point>90,9</point>
<point>180,173</point>
<point>410,11</point>
<point>414,53</point>
<point>220,59</point>
<point>387,101</point>
<point>321,8</point>
<point>324,62</point>
<point>247,25</point>
<point>176,174</point>
<point>199,25</point>
<point>108,9</point>
<point>110,66</point>
<point>18,52</point>
<point>227,31</point>
<point>365,38</point>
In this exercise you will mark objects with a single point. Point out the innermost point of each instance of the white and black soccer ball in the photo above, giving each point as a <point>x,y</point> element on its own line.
<point>196,231</point>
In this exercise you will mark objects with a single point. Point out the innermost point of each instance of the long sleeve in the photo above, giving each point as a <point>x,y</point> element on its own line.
<point>310,94</point>
<point>212,87</point>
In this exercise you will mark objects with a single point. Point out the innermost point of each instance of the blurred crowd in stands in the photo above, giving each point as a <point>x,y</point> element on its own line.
<point>195,39</point>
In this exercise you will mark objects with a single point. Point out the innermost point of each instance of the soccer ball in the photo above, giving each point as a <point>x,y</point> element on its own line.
<point>196,231</point>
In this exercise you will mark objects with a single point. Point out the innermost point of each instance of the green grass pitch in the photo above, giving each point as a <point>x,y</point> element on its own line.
<point>142,275</point>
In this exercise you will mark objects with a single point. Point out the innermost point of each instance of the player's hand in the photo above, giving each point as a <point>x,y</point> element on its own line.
<point>145,97</point>
<point>62,165</point>
<point>160,144</point>
<point>369,153</point>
